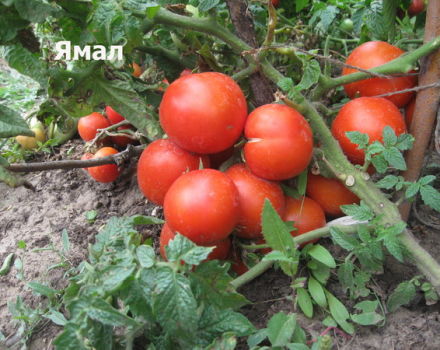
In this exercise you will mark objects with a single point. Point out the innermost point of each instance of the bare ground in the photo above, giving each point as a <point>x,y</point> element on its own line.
<point>60,202</point>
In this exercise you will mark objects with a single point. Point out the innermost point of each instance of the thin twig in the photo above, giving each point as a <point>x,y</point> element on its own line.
<point>101,132</point>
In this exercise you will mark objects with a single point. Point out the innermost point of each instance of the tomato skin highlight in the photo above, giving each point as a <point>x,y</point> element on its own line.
<point>203,112</point>
<point>160,164</point>
<point>113,116</point>
<point>372,54</point>
<point>306,214</point>
<point>202,205</point>
<point>89,124</point>
<point>220,252</point>
<point>368,115</point>
<point>253,191</point>
<point>107,172</point>
<point>330,194</point>
<point>280,142</point>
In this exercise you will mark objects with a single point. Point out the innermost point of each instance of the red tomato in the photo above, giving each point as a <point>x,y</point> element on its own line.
<point>330,194</point>
<point>87,156</point>
<point>88,125</point>
<point>122,141</point>
<point>306,214</point>
<point>237,264</point>
<point>368,115</point>
<point>409,112</point>
<point>202,205</point>
<point>203,112</point>
<point>107,172</point>
<point>416,7</point>
<point>275,3</point>
<point>113,116</point>
<point>372,54</point>
<point>280,142</point>
<point>137,70</point>
<point>220,252</point>
<point>253,191</point>
<point>160,164</point>
<point>217,159</point>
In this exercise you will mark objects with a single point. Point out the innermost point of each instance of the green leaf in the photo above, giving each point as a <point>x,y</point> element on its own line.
<point>256,338</point>
<point>302,183</point>
<point>12,124</point>
<point>342,239</point>
<point>43,289</point>
<point>206,5</point>
<point>70,338</point>
<point>181,248</point>
<point>297,346</point>
<point>426,180</point>
<point>278,237</point>
<point>103,312</point>
<point>358,138</point>
<point>367,318</point>
<point>276,255</point>
<point>35,10</point>
<point>113,277</point>
<point>359,212</point>
<point>339,312</point>
<point>317,292</point>
<point>91,215</point>
<point>389,136</point>
<point>367,305</point>
<point>379,163</point>
<point>56,317</point>
<point>412,190</point>
<point>310,76</point>
<point>146,220</point>
<point>405,142</point>
<point>280,328</point>
<point>431,197</point>
<point>227,341</point>
<point>364,234</point>
<point>301,4</point>
<point>388,182</point>
<point>345,275</point>
<point>375,21</point>
<point>318,252</point>
<point>9,178</point>
<point>65,240</point>
<point>304,302</point>
<point>402,295</point>
<point>392,243</point>
<point>394,158</point>
<point>285,84</point>
<point>146,256</point>
<point>375,147</point>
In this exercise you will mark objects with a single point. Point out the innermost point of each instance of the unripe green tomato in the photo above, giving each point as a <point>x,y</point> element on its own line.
<point>30,142</point>
<point>346,25</point>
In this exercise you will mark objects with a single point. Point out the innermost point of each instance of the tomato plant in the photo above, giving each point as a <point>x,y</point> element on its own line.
<point>220,252</point>
<point>368,115</point>
<point>203,112</point>
<point>252,192</point>
<point>160,164</point>
<point>107,172</point>
<point>89,125</point>
<point>372,54</point>
<point>330,194</point>
<point>280,142</point>
<point>113,116</point>
<point>202,205</point>
<point>306,214</point>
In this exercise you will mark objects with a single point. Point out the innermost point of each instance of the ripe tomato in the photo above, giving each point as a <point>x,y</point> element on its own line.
<point>137,70</point>
<point>87,156</point>
<point>160,164</point>
<point>202,205</point>
<point>330,194</point>
<point>280,142</point>
<point>409,112</point>
<point>416,7</point>
<point>203,112</point>
<point>88,125</point>
<point>113,116</point>
<point>107,172</point>
<point>275,3</point>
<point>123,141</point>
<point>220,252</point>
<point>253,191</point>
<point>306,214</point>
<point>30,142</point>
<point>368,115</point>
<point>372,54</point>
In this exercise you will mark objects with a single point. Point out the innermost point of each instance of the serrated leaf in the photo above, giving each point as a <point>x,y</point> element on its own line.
<point>358,138</point>
<point>405,142</point>
<point>317,292</point>
<point>56,317</point>
<point>276,255</point>
<point>318,252</point>
<point>113,277</point>
<point>402,295</point>
<point>394,158</point>
<point>103,312</point>
<point>364,234</point>
<point>380,164</point>
<point>304,301</point>
<point>431,197</point>
<point>339,312</point>
<point>375,147</point>
<point>12,124</point>
<point>280,328</point>
<point>388,182</point>
<point>285,84</point>
<point>426,180</point>
<point>278,237</point>
<point>146,256</point>
<point>389,136</point>
<point>359,212</point>
<point>70,339</point>
<point>206,5</point>
<point>181,248</point>
<point>342,239</point>
<point>412,190</point>
<point>310,76</point>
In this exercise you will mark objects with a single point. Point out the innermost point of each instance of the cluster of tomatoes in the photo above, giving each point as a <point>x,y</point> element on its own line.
<point>205,114</point>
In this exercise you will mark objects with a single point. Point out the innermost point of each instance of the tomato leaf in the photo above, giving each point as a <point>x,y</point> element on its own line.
<point>389,136</point>
<point>304,302</point>
<point>70,339</point>
<point>402,295</point>
<point>317,292</point>
<point>342,239</point>
<point>394,158</point>
<point>358,138</point>
<point>280,328</point>
<point>430,197</point>
<point>206,5</point>
<point>359,212</point>
<point>339,312</point>
<point>318,252</point>
<point>345,275</point>
<point>388,182</point>
<point>181,248</point>
<point>311,74</point>
<point>42,289</point>
<point>146,256</point>
<point>12,124</point>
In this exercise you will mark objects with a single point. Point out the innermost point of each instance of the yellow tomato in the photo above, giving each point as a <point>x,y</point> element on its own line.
<point>30,142</point>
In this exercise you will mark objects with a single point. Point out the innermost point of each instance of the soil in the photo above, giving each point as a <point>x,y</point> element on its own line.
<point>61,200</point>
